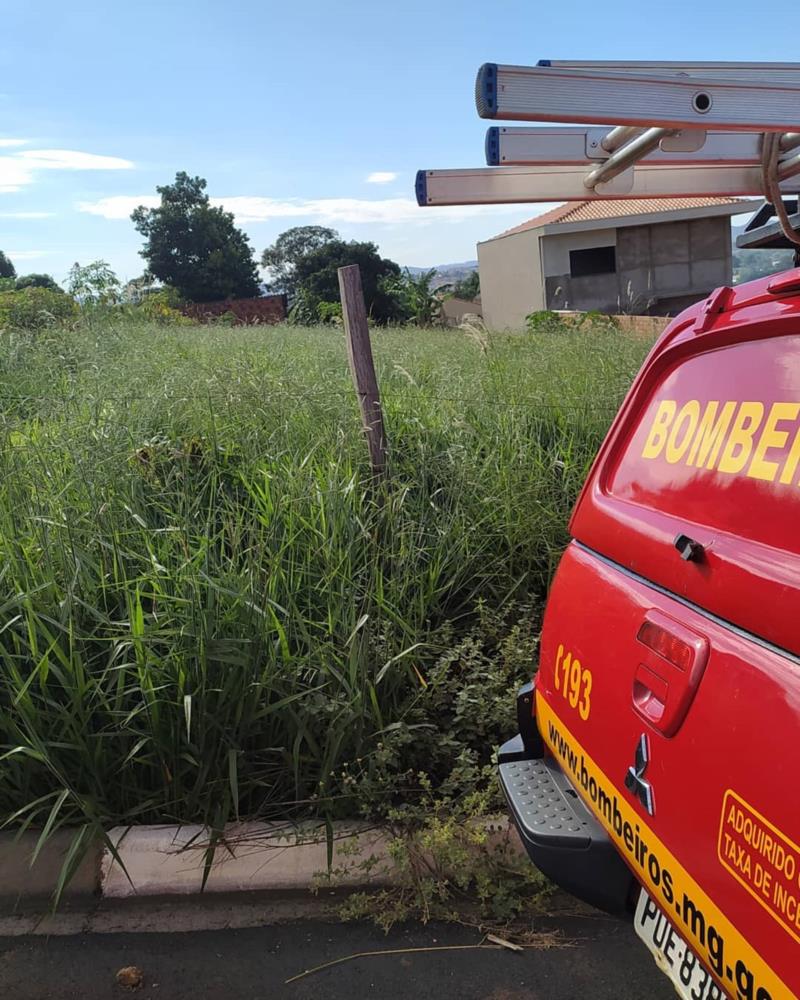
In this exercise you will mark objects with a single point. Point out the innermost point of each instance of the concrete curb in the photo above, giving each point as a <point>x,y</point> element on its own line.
<point>169,860</point>
<point>22,878</point>
<point>161,860</point>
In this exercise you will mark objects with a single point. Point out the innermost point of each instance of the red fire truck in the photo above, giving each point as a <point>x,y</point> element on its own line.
<point>654,768</point>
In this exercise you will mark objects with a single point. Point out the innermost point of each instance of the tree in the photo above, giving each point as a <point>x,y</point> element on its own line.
<point>137,289</point>
<point>419,301</point>
<point>468,288</point>
<point>94,284</point>
<point>37,281</point>
<point>317,280</point>
<point>282,257</point>
<point>7,269</point>
<point>194,247</point>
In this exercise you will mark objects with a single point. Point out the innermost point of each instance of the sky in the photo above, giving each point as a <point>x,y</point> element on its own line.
<point>295,112</point>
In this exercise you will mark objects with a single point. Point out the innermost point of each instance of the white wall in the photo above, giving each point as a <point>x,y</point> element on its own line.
<point>511,280</point>
<point>556,248</point>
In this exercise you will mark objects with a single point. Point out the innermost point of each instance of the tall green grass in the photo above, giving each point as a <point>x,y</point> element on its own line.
<point>205,610</point>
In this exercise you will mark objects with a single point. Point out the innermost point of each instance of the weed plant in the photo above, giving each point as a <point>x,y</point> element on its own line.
<point>207,610</point>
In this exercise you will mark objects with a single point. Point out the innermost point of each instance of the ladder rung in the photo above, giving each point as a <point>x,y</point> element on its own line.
<point>616,97</point>
<point>511,185</point>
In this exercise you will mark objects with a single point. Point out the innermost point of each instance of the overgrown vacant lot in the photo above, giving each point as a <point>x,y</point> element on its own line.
<point>206,612</point>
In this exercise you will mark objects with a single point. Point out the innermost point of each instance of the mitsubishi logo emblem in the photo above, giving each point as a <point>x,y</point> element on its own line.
<point>635,781</point>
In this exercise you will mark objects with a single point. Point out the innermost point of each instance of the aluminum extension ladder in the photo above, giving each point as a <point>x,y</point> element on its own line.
<point>647,130</point>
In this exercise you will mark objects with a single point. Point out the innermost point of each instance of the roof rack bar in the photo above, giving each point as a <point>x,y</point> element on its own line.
<point>764,231</point>
<point>546,93</point>
<point>625,156</point>
<point>789,167</point>
<point>619,136</point>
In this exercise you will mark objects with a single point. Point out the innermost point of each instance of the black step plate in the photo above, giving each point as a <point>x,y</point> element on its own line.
<point>546,806</point>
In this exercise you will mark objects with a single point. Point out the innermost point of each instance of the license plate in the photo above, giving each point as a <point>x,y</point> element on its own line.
<point>673,955</point>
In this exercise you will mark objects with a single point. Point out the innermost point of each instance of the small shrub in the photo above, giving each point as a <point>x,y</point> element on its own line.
<point>544,321</point>
<point>36,308</point>
<point>304,311</point>
<point>330,313</point>
<point>594,320</point>
<point>431,784</point>
<point>228,318</point>
<point>454,864</point>
<point>162,307</point>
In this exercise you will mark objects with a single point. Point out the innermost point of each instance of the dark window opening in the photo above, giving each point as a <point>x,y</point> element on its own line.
<point>596,260</point>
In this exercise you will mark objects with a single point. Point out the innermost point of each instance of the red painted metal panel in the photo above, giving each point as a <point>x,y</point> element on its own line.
<point>708,445</point>
<point>694,650</point>
<point>738,737</point>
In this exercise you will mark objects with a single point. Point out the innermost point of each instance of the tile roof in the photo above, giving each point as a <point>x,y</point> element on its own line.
<point>591,211</point>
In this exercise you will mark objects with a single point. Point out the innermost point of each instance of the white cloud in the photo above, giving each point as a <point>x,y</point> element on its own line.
<point>71,159</point>
<point>118,206</point>
<point>14,174</point>
<point>26,254</point>
<point>352,211</point>
<point>26,215</point>
<point>12,142</point>
<point>381,177</point>
<point>18,170</point>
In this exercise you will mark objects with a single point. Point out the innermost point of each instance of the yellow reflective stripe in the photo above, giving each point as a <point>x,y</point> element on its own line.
<point>736,946</point>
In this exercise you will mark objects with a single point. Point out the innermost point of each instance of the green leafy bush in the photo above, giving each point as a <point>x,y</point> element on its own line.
<point>544,321</point>
<point>431,783</point>
<point>330,313</point>
<point>37,281</point>
<point>35,308</point>
<point>162,307</point>
<point>439,868</point>
<point>547,322</point>
<point>304,310</point>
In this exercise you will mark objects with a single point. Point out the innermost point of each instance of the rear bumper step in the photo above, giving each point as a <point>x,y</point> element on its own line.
<point>561,836</point>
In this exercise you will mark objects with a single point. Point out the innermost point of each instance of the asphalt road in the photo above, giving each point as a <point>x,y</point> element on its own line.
<point>594,957</point>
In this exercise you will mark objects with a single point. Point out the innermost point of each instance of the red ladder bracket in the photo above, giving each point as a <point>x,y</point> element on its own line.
<point>712,307</point>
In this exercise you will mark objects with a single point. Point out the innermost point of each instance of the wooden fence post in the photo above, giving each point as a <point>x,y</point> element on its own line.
<point>362,367</point>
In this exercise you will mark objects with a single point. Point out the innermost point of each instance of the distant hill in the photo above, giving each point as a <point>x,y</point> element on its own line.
<point>448,274</point>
